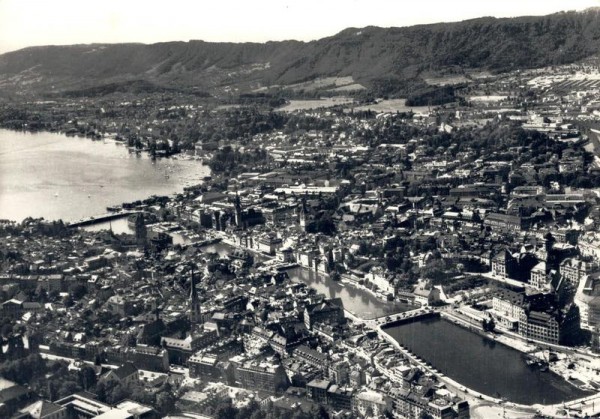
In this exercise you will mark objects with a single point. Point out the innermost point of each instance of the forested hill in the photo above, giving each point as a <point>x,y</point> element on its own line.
<point>374,56</point>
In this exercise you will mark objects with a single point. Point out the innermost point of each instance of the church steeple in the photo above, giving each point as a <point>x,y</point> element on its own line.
<point>303,214</point>
<point>140,229</point>
<point>238,211</point>
<point>195,314</point>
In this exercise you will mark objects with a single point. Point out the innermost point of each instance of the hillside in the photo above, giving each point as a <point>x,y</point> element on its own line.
<point>388,59</point>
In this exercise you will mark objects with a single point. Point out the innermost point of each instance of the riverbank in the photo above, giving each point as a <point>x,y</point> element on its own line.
<point>454,386</point>
<point>361,303</point>
<point>544,384</point>
<point>584,380</point>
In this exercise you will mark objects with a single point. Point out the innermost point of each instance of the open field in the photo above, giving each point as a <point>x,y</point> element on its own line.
<point>349,88</point>
<point>391,105</point>
<point>297,105</point>
<point>332,84</point>
<point>477,75</point>
<point>447,80</point>
<point>586,84</point>
<point>488,98</point>
<point>321,83</point>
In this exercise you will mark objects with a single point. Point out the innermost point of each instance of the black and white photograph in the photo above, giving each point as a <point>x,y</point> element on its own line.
<point>279,209</point>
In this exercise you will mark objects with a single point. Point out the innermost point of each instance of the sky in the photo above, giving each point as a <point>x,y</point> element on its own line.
<point>59,22</point>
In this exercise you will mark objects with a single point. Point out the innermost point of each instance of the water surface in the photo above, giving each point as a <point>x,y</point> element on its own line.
<point>482,364</point>
<point>58,177</point>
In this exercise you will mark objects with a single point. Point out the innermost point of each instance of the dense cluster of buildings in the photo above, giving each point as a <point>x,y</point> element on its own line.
<point>487,204</point>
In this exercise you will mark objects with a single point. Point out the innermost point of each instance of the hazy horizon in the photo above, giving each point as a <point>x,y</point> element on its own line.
<point>28,23</point>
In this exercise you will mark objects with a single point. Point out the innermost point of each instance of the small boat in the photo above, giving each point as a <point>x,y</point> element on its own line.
<point>55,194</point>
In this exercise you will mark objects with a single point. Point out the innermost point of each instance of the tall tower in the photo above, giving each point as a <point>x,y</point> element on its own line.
<point>303,214</point>
<point>217,217</point>
<point>238,211</point>
<point>195,309</point>
<point>140,229</point>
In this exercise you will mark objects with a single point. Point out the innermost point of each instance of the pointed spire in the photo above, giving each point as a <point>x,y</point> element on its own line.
<point>195,308</point>
<point>238,210</point>
<point>193,292</point>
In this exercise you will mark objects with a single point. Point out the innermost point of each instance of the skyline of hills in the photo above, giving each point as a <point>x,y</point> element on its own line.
<point>374,57</point>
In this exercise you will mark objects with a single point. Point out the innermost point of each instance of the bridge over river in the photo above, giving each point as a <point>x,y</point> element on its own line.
<point>100,218</point>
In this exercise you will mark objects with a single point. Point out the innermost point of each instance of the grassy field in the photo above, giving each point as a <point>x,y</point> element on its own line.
<point>446,80</point>
<point>324,82</point>
<point>349,88</point>
<point>392,105</point>
<point>297,105</point>
<point>333,84</point>
<point>490,98</point>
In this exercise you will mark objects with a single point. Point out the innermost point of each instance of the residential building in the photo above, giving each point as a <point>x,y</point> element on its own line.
<point>42,410</point>
<point>327,311</point>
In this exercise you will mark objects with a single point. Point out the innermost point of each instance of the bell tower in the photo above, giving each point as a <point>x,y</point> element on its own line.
<point>239,222</point>
<point>195,312</point>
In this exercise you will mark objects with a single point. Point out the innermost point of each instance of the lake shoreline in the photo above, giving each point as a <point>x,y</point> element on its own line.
<point>53,176</point>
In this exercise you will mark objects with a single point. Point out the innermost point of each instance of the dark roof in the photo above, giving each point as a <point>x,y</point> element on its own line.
<point>517,298</point>
<point>41,409</point>
<point>125,370</point>
<point>326,305</point>
<point>12,393</point>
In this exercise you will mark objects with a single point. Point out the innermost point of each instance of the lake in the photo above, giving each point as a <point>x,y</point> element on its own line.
<point>58,177</point>
<point>482,364</point>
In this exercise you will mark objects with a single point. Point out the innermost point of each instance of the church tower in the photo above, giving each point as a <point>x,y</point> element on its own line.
<point>238,212</point>
<point>195,313</point>
<point>303,214</point>
<point>140,229</point>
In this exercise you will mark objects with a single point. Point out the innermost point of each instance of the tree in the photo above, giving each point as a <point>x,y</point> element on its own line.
<point>67,388</point>
<point>246,412</point>
<point>491,325</point>
<point>77,291</point>
<point>87,377</point>
<point>116,393</point>
<point>488,326</point>
<point>165,402</point>
<point>319,412</point>
<point>225,410</point>
<point>101,391</point>
<point>24,370</point>
<point>6,330</point>
<point>140,395</point>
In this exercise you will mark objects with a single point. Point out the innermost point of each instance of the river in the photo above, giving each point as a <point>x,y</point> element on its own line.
<point>359,302</point>
<point>482,364</point>
<point>58,177</point>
